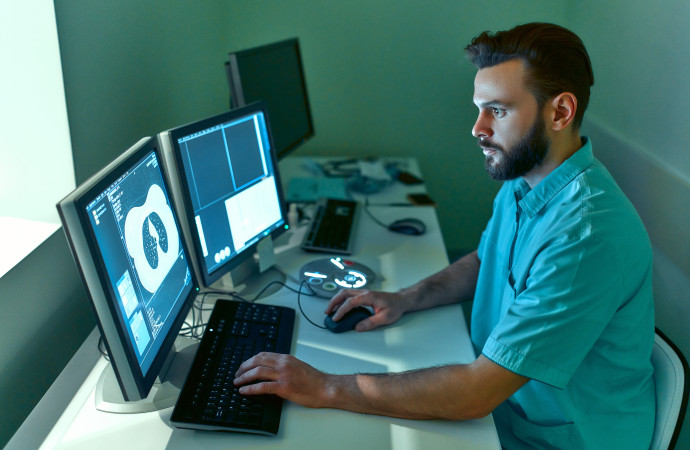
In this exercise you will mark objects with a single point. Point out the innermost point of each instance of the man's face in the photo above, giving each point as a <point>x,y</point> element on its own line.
<point>509,128</point>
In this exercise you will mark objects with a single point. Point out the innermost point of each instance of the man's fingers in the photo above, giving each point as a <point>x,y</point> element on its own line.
<point>262,359</point>
<point>352,300</point>
<point>261,388</point>
<point>256,373</point>
<point>337,300</point>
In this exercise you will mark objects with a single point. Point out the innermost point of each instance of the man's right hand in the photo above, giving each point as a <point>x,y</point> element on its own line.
<point>388,307</point>
<point>455,283</point>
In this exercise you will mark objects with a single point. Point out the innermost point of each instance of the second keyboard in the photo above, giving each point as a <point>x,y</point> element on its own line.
<point>333,226</point>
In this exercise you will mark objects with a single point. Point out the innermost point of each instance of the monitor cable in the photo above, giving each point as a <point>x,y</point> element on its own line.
<point>196,328</point>
<point>102,348</point>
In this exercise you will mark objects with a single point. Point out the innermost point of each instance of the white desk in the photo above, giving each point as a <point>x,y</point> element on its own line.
<point>418,340</point>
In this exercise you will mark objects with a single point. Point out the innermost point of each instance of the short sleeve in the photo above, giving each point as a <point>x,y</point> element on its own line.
<point>569,297</point>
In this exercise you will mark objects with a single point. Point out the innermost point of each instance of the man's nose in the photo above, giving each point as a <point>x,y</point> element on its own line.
<point>482,126</point>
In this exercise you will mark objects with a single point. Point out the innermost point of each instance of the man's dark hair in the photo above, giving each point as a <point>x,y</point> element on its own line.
<point>555,57</point>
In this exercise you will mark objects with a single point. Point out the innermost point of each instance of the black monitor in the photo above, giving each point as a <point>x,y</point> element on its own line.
<point>274,74</point>
<point>230,193</point>
<point>125,238</point>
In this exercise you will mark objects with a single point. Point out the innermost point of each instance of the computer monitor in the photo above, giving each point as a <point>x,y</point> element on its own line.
<point>124,235</point>
<point>230,192</point>
<point>274,74</point>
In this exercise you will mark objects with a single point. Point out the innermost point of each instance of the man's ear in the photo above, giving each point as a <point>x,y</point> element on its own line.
<point>564,107</point>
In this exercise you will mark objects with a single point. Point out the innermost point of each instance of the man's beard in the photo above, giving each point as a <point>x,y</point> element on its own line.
<point>521,158</point>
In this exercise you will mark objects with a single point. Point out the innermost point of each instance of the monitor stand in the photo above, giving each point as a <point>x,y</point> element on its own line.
<point>255,276</point>
<point>248,281</point>
<point>164,392</point>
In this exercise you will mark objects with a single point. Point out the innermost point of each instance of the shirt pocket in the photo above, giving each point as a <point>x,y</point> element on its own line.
<point>526,434</point>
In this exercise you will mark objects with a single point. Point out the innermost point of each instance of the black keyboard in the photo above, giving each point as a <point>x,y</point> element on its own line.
<point>333,226</point>
<point>235,332</point>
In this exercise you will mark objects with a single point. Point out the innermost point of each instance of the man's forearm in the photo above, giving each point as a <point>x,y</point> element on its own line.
<point>433,393</point>
<point>455,283</point>
<point>456,392</point>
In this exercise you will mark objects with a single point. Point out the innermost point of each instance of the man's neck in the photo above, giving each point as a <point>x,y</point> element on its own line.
<point>560,150</point>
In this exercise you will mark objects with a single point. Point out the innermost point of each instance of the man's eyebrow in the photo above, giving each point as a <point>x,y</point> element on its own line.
<point>492,103</point>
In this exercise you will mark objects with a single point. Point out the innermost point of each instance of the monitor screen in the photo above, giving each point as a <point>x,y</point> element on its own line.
<point>230,186</point>
<point>274,75</point>
<point>124,235</point>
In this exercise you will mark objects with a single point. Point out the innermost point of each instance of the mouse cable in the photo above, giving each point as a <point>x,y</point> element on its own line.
<point>235,295</point>
<point>366,210</point>
<point>196,328</point>
<point>272,283</point>
<point>299,303</point>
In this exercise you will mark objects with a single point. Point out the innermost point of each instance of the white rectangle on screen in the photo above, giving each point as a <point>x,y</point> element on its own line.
<point>252,211</point>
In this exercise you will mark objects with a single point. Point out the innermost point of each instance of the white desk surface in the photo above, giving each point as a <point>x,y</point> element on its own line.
<point>420,339</point>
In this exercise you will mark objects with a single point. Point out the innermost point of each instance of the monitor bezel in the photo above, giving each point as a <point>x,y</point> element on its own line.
<point>187,210</point>
<point>134,384</point>
<point>237,97</point>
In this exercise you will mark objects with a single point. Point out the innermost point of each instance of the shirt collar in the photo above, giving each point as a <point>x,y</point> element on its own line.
<point>533,200</point>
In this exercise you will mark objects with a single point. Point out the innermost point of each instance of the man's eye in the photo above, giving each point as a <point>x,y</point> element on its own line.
<point>498,112</point>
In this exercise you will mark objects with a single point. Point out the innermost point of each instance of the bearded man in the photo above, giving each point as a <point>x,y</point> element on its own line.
<point>563,316</point>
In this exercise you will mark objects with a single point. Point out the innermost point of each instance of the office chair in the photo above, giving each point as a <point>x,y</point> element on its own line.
<point>671,380</point>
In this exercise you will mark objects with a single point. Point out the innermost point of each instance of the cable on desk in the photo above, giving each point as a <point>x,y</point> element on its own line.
<point>366,210</point>
<point>299,303</point>
<point>195,329</point>
<point>234,295</point>
<point>300,291</point>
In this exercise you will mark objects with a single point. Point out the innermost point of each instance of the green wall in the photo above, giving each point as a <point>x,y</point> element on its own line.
<point>133,68</point>
<point>640,54</point>
<point>384,78</point>
<point>641,57</point>
<point>389,78</point>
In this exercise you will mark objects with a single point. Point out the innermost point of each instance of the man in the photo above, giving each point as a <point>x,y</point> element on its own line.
<point>563,318</point>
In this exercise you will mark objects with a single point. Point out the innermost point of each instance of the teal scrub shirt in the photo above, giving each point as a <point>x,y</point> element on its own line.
<point>564,297</point>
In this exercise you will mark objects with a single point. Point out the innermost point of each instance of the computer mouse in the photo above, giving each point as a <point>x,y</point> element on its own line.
<point>409,225</point>
<point>348,321</point>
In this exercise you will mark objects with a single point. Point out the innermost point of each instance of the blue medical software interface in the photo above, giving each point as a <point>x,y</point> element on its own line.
<point>232,185</point>
<point>139,240</point>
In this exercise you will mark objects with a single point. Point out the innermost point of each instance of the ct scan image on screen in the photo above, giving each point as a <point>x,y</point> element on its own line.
<point>138,236</point>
